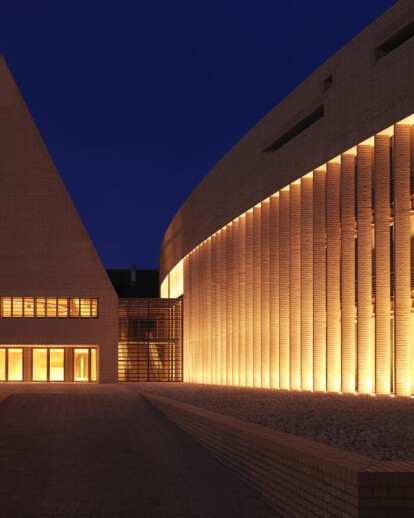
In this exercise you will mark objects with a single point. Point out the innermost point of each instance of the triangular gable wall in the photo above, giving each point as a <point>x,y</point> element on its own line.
<point>44,247</point>
<point>42,239</point>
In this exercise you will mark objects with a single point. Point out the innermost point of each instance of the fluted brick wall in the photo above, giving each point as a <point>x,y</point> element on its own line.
<point>296,292</point>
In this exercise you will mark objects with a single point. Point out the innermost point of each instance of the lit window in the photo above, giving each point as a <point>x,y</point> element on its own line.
<point>51,307</point>
<point>15,370</point>
<point>81,365</point>
<point>17,307</point>
<point>2,364</point>
<point>29,306</point>
<point>62,307</point>
<point>74,307</point>
<point>93,364</point>
<point>39,363</point>
<point>40,307</point>
<point>85,307</point>
<point>57,365</point>
<point>6,307</point>
<point>94,308</point>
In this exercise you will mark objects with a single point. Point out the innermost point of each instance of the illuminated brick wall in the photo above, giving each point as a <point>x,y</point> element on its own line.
<point>297,292</point>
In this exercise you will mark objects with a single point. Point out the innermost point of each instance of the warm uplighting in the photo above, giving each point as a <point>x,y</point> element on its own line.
<point>173,284</point>
<point>295,292</point>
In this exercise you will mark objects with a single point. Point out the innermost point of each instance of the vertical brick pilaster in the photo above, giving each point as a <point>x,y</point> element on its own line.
<point>215,330</point>
<point>274,291</point>
<point>219,317</point>
<point>265,321</point>
<point>186,320</point>
<point>242,300</point>
<point>223,302</point>
<point>333,274</point>
<point>207,252</point>
<point>229,304</point>
<point>382,265</point>
<point>402,236</point>
<point>295,285</point>
<point>193,322</point>
<point>364,265</point>
<point>348,338</point>
<point>203,320</point>
<point>284,289</point>
<point>249,299</point>
<point>307,282</point>
<point>197,337</point>
<point>319,280</point>
<point>257,357</point>
<point>235,303</point>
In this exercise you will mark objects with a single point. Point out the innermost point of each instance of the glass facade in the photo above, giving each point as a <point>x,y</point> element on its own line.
<point>150,340</point>
<point>44,364</point>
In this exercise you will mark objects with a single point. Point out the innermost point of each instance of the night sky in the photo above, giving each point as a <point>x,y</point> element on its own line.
<point>137,100</point>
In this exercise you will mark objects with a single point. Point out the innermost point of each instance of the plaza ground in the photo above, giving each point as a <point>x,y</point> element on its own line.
<point>86,450</point>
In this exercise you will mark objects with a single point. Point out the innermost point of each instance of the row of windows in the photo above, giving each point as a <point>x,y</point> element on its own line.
<point>50,307</point>
<point>48,364</point>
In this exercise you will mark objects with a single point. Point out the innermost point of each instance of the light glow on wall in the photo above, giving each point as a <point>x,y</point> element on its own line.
<point>294,293</point>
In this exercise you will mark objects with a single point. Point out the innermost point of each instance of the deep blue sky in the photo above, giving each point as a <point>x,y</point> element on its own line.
<point>137,100</point>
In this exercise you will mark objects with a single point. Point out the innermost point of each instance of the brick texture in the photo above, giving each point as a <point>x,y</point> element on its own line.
<point>298,477</point>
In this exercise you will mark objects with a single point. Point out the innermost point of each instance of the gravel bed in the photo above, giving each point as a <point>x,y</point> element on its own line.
<point>380,427</point>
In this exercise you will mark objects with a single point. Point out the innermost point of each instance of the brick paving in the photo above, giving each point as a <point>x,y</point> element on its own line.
<point>100,450</point>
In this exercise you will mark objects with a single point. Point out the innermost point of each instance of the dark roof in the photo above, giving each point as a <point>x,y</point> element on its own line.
<point>145,284</point>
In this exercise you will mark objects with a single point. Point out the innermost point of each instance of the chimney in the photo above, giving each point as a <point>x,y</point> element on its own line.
<point>133,273</point>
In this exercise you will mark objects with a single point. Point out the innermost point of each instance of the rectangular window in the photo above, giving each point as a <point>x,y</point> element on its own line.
<point>15,364</point>
<point>51,307</point>
<point>62,307</point>
<point>17,307</point>
<point>81,365</point>
<point>94,308</point>
<point>6,307</point>
<point>29,307</point>
<point>74,307</point>
<point>85,308</point>
<point>40,307</point>
<point>57,365</point>
<point>2,364</point>
<point>39,364</point>
<point>93,364</point>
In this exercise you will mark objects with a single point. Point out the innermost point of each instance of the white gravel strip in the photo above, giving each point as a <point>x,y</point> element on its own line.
<point>380,427</point>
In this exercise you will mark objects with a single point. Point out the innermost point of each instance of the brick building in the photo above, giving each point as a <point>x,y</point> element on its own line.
<point>294,253</point>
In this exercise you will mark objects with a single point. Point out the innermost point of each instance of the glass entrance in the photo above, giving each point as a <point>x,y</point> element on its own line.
<point>84,364</point>
<point>48,364</point>
<point>11,364</point>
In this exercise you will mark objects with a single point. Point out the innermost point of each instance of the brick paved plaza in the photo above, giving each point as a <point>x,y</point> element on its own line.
<point>100,450</point>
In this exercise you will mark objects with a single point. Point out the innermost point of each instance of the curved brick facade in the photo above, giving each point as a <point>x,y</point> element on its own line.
<point>297,245</point>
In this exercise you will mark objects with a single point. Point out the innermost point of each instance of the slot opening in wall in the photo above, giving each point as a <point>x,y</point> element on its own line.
<point>297,129</point>
<point>395,41</point>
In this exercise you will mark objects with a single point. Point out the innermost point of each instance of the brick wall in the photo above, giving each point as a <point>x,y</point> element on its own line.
<point>298,477</point>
